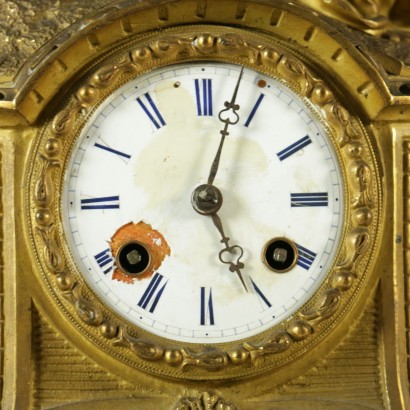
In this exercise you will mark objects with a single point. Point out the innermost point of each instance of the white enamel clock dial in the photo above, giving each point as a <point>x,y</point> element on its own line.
<point>130,181</point>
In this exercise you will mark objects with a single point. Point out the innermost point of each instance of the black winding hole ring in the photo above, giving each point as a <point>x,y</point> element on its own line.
<point>280,255</point>
<point>133,258</point>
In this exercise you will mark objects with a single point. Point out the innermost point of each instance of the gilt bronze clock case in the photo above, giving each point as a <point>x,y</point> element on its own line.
<point>60,92</point>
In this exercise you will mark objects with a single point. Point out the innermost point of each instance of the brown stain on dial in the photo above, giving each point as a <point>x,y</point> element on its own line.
<point>262,83</point>
<point>153,240</point>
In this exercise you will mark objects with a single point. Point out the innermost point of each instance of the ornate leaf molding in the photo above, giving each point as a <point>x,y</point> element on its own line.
<point>361,213</point>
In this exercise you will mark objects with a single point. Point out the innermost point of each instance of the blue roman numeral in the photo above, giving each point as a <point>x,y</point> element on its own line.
<point>153,293</point>
<point>309,199</point>
<point>106,202</point>
<point>203,92</point>
<point>113,151</point>
<point>104,260</point>
<point>207,308</point>
<point>147,104</point>
<point>306,257</point>
<point>295,147</point>
<point>254,109</point>
<point>261,296</point>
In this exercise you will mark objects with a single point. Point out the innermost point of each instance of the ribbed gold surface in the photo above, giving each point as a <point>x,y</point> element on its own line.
<point>63,375</point>
<point>349,378</point>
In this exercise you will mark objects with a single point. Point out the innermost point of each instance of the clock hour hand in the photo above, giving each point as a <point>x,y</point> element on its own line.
<point>229,116</point>
<point>234,251</point>
<point>207,200</point>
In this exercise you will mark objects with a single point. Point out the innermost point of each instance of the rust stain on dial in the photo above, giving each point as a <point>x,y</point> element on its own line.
<point>153,240</point>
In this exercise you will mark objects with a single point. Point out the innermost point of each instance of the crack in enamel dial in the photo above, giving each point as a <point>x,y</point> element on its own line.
<point>121,171</point>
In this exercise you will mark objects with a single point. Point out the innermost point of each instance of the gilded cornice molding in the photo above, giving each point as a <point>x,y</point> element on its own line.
<point>26,26</point>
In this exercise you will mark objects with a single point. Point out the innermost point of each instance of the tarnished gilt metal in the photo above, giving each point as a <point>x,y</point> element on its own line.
<point>351,271</point>
<point>57,349</point>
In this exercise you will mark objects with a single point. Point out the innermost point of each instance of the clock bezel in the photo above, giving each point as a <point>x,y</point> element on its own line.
<point>268,350</point>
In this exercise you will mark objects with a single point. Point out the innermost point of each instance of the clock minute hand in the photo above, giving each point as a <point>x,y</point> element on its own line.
<point>229,116</point>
